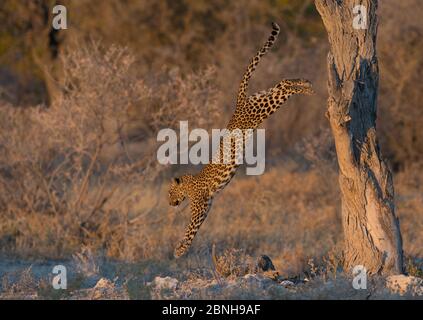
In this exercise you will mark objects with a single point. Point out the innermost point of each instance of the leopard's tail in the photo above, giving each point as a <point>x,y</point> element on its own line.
<point>242,93</point>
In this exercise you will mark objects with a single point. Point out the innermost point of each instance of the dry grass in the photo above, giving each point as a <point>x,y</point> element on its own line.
<point>409,201</point>
<point>84,173</point>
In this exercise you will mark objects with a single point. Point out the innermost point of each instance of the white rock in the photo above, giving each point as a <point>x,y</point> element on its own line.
<point>287,283</point>
<point>165,283</point>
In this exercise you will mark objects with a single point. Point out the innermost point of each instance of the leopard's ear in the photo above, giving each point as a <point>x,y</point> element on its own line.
<point>177,180</point>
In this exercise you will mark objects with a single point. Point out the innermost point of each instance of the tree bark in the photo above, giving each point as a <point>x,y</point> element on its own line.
<point>371,229</point>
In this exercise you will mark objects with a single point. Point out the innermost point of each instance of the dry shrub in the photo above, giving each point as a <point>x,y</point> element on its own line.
<point>192,98</point>
<point>69,173</point>
<point>401,59</point>
<point>409,204</point>
<point>190,35</point>
<point>85,262</point>
<point>233,263</point>
<point>19,285</point>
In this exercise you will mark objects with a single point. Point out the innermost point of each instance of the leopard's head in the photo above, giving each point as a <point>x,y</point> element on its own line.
<point>176,192</point>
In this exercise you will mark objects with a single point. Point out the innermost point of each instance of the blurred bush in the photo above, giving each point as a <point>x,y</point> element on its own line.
<point>70,173</point>
<point>185,36</point>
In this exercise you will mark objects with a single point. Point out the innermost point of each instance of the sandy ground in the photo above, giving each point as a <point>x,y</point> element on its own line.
<point>116,280</point>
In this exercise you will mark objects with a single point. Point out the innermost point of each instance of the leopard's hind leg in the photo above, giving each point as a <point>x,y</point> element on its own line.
<point>267,102</point>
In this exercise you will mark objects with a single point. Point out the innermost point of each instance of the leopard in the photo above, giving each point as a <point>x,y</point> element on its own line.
<point>250,112</point>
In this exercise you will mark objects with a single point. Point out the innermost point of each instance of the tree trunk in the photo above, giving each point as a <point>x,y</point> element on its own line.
<point>371,229</point>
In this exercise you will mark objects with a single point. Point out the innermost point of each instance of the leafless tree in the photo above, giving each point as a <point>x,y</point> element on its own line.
<point>371,228</point>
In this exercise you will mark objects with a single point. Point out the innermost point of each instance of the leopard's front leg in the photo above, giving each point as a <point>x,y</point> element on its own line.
<point>200,207</point>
